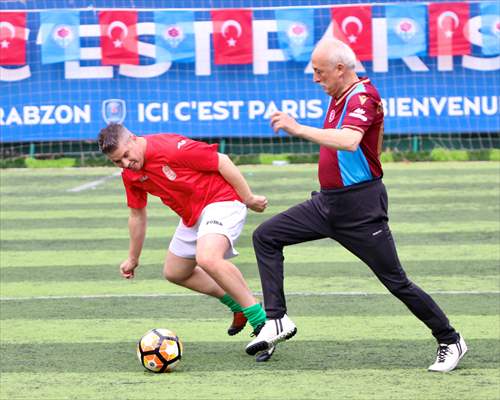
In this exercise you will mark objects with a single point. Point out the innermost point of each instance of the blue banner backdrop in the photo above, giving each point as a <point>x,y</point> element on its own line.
<point>73,100</point>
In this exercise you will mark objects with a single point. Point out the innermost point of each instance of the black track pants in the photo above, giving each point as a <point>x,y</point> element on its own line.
<point>356,217</point>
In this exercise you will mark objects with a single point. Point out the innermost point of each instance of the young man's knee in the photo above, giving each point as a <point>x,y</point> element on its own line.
<point>169,275</point>
<point>208,262</point>
<point>174,276</point>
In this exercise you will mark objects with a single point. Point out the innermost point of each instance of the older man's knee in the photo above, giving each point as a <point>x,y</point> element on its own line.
<point>261,234</point>
<point>400,288</point>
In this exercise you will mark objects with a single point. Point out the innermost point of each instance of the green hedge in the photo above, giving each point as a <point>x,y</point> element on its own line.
<point>64,162</point>
<point>436,154</point>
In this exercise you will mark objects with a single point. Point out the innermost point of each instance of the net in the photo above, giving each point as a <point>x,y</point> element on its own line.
<point>55,109</point>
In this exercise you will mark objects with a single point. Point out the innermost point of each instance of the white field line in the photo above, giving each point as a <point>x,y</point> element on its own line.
<point>298,294</point>
<point>93,184</point>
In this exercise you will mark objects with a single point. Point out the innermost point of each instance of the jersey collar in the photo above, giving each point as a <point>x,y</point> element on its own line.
<point>342,97</point>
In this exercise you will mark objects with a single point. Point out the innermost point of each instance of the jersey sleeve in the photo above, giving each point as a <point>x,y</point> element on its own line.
<point>196,155</point>
<point>136,197</point>
<point>360,113</point>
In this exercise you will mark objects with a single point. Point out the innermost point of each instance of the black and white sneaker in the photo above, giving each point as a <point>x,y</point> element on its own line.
<point>273,331</point>
<point>448,356</point>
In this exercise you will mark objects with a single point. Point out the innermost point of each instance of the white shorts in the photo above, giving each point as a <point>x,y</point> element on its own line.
<point>226,218</point>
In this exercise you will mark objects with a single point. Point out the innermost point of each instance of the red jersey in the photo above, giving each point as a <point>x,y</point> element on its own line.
<point>359,108</point>
<point>183,173</point>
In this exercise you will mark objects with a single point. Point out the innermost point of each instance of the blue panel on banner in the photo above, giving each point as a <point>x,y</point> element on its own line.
<point>73,100</point>
<point>295,32</point>
<point>406,30</point>
<point>174,36</point>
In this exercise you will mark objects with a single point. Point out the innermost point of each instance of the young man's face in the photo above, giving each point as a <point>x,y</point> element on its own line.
<point>128,154</point>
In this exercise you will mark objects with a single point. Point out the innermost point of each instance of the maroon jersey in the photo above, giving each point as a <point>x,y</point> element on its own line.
<point>359,108</point>
<point>182,172</point>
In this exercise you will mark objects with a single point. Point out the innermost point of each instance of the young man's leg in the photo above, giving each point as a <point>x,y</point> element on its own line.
<point>210,251</point>
<point>239,318</point>
<point>218,229</point>
<point>184,272</point>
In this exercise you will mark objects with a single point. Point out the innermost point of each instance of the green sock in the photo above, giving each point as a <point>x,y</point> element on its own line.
<point>255,315</point>
<point>231,303</point>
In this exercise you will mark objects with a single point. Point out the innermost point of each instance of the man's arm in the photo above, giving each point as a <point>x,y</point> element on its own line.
<point>235,178</point>
<point>137,223</point>
<point>342,139</point>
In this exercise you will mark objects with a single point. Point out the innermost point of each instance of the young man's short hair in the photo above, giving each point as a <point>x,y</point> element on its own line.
<point>109,138</point>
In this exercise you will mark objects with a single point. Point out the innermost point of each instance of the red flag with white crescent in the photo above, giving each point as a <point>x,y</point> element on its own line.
<point>353,25</point>
<point>12,38</point>
<point>447,29</point>
<point>232,36</point>
<point>119,37</point>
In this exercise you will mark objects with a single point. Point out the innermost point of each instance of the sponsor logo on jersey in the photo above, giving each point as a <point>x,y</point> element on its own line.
<point>181,143</point>
<point>358,113</point>
<point>362,99</point>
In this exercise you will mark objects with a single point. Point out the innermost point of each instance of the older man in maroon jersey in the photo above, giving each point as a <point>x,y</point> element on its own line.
<point>351,206</point>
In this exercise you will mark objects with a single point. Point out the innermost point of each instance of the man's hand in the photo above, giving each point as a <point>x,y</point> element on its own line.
<point>127,268</point>
<point>256,203</point>
<point>281,120</point>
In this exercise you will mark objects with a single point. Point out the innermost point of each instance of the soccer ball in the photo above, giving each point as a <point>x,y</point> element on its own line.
<point>159,350</point>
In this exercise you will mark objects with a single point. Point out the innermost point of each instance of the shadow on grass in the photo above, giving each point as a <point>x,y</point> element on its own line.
<point>210,356</point>
<point>321,269</point>
<point>205,307</point>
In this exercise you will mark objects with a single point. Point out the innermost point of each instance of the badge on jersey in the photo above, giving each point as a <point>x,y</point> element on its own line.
<point>331,116</point>
<point>169,173</point>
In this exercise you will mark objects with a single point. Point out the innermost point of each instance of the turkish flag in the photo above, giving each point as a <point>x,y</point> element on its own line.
<point>353,25</point>
<point>232,36</point>
<point>119,37</point>
<point>12,38</point>
<point>447,35</point>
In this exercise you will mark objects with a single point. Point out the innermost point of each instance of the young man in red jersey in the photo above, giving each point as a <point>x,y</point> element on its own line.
<point>350,208</point>
<point>210,195</point>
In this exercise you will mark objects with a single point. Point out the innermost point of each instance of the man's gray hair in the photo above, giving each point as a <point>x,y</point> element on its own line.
<point>338,52</point>
<point>110,137</point>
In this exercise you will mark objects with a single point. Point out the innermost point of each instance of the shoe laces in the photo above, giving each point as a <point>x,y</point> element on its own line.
<point>442,352</point>
<point>257,329</point>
